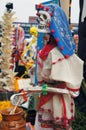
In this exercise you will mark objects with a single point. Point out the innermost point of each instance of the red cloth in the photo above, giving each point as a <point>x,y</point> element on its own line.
<point>44,99</point>
<point>46,49</point>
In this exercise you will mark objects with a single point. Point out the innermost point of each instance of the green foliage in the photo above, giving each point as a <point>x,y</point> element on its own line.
<point>80,120</point>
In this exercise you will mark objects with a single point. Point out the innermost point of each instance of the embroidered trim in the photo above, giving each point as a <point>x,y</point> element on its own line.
<point>54,124</point>
<point>45,51</point>
<point>64,110</point>
<point>60,59</point>
<point>74,90</point>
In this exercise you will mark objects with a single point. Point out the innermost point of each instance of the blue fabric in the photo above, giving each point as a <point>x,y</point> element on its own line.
<point>40,41</point>
<point>60,25</point>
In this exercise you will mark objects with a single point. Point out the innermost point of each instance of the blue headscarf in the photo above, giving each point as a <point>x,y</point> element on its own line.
<point>60,25</point>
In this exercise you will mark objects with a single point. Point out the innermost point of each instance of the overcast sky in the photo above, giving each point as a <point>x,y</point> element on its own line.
<point>23,8</point>
<point>26,8</point>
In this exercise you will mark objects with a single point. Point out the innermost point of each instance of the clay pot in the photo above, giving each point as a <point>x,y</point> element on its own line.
<point>14,121</point>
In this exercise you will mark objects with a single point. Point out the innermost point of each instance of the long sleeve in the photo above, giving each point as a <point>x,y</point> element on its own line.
<point>44,69</point>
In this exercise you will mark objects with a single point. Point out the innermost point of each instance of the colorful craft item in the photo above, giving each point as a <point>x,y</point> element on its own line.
<point>34,31</point>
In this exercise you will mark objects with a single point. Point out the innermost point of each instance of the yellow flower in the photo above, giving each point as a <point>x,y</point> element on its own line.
<point>4,105</point>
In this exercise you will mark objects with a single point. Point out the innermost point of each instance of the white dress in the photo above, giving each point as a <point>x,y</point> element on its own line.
<point>58,110</point>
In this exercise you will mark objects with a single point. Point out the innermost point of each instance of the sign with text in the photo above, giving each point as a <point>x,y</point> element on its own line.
<point>32,19</point>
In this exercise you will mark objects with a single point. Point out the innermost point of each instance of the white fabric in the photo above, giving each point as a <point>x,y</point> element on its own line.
<point>68,70</point>
<point>57,108</point>
<point>38,125</point>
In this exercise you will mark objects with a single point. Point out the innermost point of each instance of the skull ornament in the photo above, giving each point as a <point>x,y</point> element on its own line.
<point>44,19</point>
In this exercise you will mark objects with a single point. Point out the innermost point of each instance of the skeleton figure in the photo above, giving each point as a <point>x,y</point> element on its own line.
<point>44,19</point>
<point>57,68</point>
<point>52,19</point>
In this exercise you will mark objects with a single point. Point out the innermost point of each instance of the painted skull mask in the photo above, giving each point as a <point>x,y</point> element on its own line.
<point>44,18</point>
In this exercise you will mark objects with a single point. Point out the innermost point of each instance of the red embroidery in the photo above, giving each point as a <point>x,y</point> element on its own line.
<point>49,110</point>
<point>71,110</point>
<point>57,118</point>
<point>64,110</point>
<point>72,104</point>
<point>74,90</point>
<point>46,125</point>
<point>60,59</point>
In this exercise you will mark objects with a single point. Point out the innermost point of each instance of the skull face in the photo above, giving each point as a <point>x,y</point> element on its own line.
<point>44,19</point>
